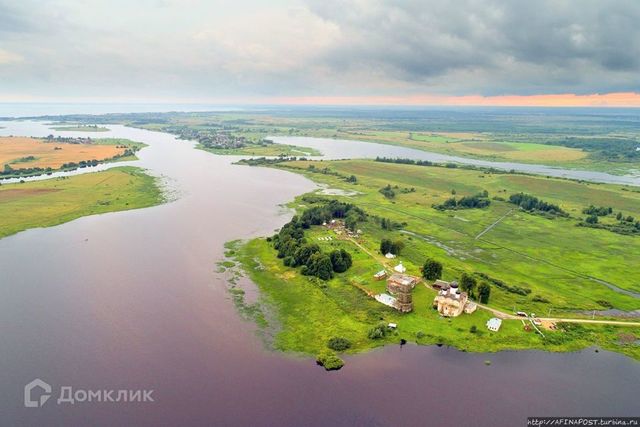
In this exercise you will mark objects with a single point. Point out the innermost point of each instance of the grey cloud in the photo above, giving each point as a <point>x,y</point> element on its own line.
<point>324,47</point>
<point>426,42</point>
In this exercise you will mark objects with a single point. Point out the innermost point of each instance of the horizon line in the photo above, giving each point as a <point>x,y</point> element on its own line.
<point>595,100</point>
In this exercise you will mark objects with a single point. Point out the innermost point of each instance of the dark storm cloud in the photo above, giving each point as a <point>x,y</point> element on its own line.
<point>530,45</point>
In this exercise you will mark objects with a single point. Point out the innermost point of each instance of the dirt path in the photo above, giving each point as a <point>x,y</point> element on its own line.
<point>486,230</point>
<point>503,315</point>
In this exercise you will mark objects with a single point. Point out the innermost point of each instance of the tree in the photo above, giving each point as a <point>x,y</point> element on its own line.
<point>319,265</point>
<point>592,219</point>
<point>385,246</point>
<point>432,269</point>
<point>352,179</point>
<point>484,291</point>
<point>303,253</point>
<point>467,283</point>
<point>340,260</point>
<point>396,247</point>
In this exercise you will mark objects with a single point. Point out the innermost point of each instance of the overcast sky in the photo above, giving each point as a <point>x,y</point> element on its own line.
<point>192,50</point>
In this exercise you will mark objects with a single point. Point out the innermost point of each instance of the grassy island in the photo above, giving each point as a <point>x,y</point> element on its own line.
<point>527,238</point>
<point>58,200</point>
<point>81,128</point>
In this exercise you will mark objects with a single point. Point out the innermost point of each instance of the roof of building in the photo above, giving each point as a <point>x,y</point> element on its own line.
<point>400,268</point>
<point>403,279</point>
<point>494,323</point>
<point>386,299</point>
<point>389,255</point>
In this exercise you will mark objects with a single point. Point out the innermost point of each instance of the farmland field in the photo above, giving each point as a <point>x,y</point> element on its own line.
<point>24,153</point>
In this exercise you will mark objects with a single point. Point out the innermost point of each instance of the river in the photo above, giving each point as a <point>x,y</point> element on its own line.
<point>130,300</point>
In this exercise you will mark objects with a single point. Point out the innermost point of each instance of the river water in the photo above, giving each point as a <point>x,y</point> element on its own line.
<point>130,300</point>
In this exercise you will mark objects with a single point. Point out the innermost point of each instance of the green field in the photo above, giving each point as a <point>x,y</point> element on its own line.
<point>58,200</point>
<point>559,262</point>
<point>81,128</point>
<point>268,150</point>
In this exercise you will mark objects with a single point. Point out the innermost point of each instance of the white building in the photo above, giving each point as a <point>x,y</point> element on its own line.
<point>494,324</point>
<point>386,299</point>
<point>400,268</point>
<point>389,255</point>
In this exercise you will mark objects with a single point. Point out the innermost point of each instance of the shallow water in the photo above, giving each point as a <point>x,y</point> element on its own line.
<point>130,300</point>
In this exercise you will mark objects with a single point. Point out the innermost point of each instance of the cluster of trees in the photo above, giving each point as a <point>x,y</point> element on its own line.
<point>404,161</point>
<point>387,224</point>
<point>295,251</point>
<point>469,285</point>
<point>531,203</point>
<point>611,149</point>
<point>348,212</point>
<point>477,201</point>
<point>263,161</point>
<point>598,210</point>
<point>625,225</point>
<point>389,246</point>
<point>504,286</point>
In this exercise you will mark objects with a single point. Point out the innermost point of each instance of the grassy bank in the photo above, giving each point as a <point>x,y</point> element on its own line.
<point>550,266</point>
<point>308,313</point>
<point>268,150</point>
<point>58,200</point>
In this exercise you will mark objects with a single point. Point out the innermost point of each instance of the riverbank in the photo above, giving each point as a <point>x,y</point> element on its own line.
<point>302,316</point>
<point>58,200</point>
<point>532,262</point>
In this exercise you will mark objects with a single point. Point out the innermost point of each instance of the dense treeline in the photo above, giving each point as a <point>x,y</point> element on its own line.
<point>531,203</point>
<point>611,149</point>
<point>477,201</point>
<point>295,251</point>
<point>404,161</point>
<point>504,286</point>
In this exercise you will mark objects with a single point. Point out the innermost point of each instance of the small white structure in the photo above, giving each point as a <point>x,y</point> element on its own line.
<point>389,255</point>
<point>386,299</point>
<point>494,324</point>
<point>393,326</point>
<point>380,275</point>
<point>400,268</point>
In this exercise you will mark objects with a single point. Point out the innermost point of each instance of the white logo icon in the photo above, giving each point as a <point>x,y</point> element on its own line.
<point>37,383</point>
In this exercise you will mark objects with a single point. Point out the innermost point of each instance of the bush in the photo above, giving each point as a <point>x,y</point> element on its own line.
<point>339,344</point>
<point>377,332</point>
<point>473,329</point>
<point>329,361</point>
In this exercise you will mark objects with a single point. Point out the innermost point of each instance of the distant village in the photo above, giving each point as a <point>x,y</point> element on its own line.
<point>219,139</point>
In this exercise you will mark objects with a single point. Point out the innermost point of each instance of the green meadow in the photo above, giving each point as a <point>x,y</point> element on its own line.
<point>59,200</point>
<point>561,265</point>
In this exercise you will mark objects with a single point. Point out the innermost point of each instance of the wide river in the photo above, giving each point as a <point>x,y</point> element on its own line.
<point>131,300</point>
